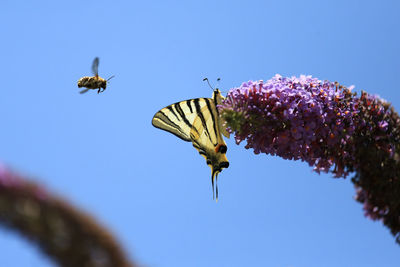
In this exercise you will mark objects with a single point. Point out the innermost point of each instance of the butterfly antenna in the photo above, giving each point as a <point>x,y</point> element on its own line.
<point>218,80</point>
<point>206,79</point>
<point>110,78</point>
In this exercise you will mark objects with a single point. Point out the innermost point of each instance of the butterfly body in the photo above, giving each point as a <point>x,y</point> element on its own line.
<point>198,121</point>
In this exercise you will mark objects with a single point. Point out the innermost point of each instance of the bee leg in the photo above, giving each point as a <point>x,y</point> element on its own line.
<point>99,91</point>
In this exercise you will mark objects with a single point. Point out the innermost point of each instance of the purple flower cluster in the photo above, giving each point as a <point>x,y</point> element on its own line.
<point>295,118</point>
<point>329,127</point>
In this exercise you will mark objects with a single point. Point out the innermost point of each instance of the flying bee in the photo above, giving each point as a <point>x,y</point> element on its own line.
<point>95,82</point>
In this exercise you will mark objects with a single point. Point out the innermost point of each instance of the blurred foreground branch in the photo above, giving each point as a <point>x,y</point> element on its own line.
<point>68,236</point>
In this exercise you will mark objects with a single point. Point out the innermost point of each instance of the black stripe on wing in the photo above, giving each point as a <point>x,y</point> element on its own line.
<point>189,105</point>
<point>199,149</point>
<point>161,116</point>
<point>201,116</point>
<point>214,120</point>
<point>182,114</point>
<point>173,112</point>
<point>179,117</point>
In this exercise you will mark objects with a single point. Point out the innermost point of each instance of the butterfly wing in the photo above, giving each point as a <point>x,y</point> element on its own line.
<point>178,118</point>
<point>217,97</point>
<point>197,121</point>
<point>207,139</point>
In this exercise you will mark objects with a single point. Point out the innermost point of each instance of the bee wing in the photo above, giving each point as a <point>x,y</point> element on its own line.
<point>95,67</point>
<point>84,91</point>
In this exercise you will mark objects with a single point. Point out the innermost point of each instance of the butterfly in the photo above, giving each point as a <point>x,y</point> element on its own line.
<point>198,121</point>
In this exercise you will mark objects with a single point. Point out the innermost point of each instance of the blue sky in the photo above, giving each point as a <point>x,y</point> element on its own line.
<point>149,187</point>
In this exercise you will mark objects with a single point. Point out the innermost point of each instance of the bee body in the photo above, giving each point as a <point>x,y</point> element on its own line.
<point>94,82</point>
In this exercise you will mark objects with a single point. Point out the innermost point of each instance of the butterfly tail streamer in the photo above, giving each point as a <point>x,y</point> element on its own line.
<point>214,178</point>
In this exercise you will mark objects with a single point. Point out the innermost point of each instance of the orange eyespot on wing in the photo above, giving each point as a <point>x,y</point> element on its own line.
<point>221,148</point>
